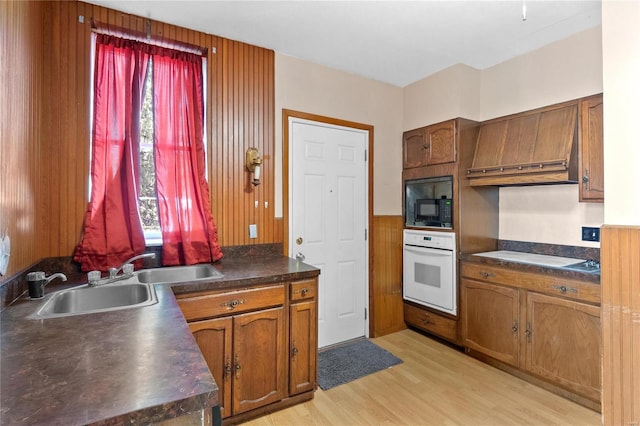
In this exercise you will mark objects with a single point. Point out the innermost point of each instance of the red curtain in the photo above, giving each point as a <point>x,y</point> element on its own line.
<point>112,230</point>
<point>189,234</point>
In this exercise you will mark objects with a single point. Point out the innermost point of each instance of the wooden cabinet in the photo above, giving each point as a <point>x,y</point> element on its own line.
<point>303,343</point>
<point>245,352</point>
<point>539,324</point>
<point>426,320</point>
<point>563,343</point>
<point>260,343</point>
<point>591,150</point>
<point>490,320</point>
<point>531,147</point>
<point>434,144</point>
<point>214,338</point>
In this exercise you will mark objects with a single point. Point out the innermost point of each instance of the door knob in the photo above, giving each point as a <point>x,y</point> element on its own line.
<point>299,240</point>
<point>300,257</point>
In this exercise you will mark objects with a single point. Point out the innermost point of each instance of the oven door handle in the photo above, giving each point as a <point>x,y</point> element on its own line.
<point>425,250</point>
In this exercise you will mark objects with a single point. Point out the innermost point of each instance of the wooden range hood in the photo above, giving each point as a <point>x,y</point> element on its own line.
<point>534,147</point>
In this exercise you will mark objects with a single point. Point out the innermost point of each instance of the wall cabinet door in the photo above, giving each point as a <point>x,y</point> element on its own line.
<point>563,343</point>
<point>490,315</point>
<point>441,143</point>
<point>259,359</point>
<point>591,151</point>
<point>429,145</point>
<point>214,338</point>
<point>303,347</point>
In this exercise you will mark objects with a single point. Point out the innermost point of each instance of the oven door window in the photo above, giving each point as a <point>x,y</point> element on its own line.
<point>429,278</point>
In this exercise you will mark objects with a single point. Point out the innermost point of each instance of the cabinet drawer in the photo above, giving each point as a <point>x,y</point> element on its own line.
<point>433,323</point>
<point>301,290</point>
<point>217,304</point>
<point>571,289</point>
<point>488,273</point>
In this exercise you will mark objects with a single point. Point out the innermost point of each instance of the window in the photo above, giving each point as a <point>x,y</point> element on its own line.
<point>148,165</point>
<point>147,198</point>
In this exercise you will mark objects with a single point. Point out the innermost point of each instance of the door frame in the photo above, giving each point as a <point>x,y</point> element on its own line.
<point>286,114</point>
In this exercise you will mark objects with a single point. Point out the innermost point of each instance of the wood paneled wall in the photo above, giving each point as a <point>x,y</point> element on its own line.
<point>620,281</point>
<point>386,297</point>
<point>21,141</point>
<point>45,132</point>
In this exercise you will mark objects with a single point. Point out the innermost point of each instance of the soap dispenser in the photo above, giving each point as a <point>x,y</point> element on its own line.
<point>37,281</point>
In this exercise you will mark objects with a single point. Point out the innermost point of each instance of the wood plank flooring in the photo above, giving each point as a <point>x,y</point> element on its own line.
<point>435,385</point>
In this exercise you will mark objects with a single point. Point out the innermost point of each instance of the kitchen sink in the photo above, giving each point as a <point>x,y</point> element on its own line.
<point>87,299</point>
<point>178,274</point>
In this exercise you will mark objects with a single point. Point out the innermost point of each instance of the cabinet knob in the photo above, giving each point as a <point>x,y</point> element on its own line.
<point>486,274</point>
<point>514,329</point>
<point>231,305</point>
<point>302,291</point>
<point>564,289</point>
<point>294,352</point>
<point>227,369</point>
<point>527,332</point>
<point>238,368</point>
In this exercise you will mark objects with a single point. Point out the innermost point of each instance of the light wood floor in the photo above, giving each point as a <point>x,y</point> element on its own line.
<point>435,385</point>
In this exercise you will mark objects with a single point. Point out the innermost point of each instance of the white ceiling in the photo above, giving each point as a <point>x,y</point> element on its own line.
<point>397,42</point>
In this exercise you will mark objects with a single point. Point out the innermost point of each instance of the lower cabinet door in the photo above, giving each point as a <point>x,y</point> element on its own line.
<point>259,359</point>
<point>563,343</point>
<point>303,347</point>
<point>215,341</point>
<point>490,320</point>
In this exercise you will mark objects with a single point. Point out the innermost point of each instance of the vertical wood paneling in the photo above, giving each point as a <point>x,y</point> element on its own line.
<point>386,278</point>
<point>620,281</point>
<point>45,132</point>
<point>21,32</point>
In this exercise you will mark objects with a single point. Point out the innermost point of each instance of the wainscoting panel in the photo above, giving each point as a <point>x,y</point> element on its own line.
<point>620,260</point>
<point>386,300</point>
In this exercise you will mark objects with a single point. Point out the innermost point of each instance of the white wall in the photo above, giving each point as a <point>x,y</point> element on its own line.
<point>561,71</point>
<point>310,88</point>
<point>453,92</point>
<point>621,75</point>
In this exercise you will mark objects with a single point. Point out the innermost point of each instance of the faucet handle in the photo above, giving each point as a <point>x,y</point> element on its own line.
<point>127,269</point>
<point>93,277</point>
<point>113,272</point>
<point>35,276</point>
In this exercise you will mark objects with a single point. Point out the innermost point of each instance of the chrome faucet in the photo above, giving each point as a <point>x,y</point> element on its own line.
<point>94,278</point>
<point>127,267</point>
<point>37,281</point>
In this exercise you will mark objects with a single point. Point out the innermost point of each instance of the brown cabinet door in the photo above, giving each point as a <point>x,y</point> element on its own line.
<point>556,130</point>
<point>414,148</point>
<point>490,320</point>
<point>490,145</point>
<point>303,347</point>
<point>215,342</point>
<point>441,147</point>
<point>258,359</point>
<point>591,153</point>
<point>429,145</point>
<point>563,343</point>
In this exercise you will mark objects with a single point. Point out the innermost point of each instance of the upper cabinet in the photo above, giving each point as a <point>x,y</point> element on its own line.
<point>429,145</point>
<point>532,147</point>
<point>591,149</point>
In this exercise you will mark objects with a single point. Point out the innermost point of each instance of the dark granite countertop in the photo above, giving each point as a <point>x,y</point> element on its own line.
<point>133,366</point>
<point>557,272</point>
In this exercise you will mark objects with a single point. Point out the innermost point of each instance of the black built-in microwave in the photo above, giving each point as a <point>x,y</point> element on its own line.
<point>434,211</point>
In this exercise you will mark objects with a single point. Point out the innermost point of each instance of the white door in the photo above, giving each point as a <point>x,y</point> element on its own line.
<point>328,221</point>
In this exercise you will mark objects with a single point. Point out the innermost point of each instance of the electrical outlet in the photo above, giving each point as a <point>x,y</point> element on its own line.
<point>590,234</point>
<point>253,231</point>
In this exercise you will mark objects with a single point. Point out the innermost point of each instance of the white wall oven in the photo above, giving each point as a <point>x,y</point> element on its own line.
<point>429,269</point>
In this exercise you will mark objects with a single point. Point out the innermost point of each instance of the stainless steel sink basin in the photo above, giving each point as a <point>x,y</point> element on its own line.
<point>178,274</point>
<point>86,299</point>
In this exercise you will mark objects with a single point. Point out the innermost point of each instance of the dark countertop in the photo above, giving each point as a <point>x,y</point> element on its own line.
<point>134,366</point>
<point>557,272</point>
